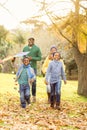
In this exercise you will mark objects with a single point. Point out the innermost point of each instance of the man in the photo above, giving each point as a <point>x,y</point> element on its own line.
<point>34,56</point>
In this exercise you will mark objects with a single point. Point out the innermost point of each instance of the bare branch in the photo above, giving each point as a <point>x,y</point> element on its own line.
<point>5,2</point>
<point>2,5</point>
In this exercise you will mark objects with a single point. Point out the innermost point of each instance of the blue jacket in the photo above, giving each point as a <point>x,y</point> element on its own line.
<point>30,72</point>
<point>56,72</point>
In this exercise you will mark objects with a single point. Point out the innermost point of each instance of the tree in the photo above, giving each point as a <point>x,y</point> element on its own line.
<point>19,38</point>
<point>4,45</point>
<point>80,58</point>
<point>76,23</point>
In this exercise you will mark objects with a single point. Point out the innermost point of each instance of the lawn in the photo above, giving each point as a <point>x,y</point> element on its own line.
<point>39,116</point>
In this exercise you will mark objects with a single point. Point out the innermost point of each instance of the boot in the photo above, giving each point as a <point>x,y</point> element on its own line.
<point>58,105</point>
<point>52,105</point>
<point>48,94</point>
<point>34,99</point>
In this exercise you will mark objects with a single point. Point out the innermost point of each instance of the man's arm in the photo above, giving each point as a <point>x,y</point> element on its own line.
<point>38,56</point>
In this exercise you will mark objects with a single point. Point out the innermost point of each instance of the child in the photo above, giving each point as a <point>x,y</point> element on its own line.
<point>25,77</point>
<point>56,72</point>
<point>45,66</point>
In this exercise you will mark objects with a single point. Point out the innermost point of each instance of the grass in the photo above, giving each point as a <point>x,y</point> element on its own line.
<point>39,115</point>
<point>68,91</point>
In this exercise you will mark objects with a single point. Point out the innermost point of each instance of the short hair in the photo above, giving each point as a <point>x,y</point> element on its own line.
<point>31,38</point>
<point>58,53</point>
<point>24,57</point>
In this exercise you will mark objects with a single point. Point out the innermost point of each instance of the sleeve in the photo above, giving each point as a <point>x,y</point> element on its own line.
<point>19,71</point>
<point>48,72</point>
<point>45,65</point>
<point>23,49</point>
<point>17,75</point>
<point>63,72</point>
<point>32,71</point>
<point>38,56</point>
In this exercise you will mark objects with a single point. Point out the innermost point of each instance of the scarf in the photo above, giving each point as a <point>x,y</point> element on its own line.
<point>29,73</point>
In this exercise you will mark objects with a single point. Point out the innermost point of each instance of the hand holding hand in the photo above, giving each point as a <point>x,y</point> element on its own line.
<point>31,81</point>
<point>45,82</point>
<point>65,82</point>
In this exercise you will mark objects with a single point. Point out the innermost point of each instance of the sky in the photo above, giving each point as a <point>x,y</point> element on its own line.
<point>20,10</point>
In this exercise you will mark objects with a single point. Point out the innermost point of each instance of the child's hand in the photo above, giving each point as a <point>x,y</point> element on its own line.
<point>31,81</point>
<point>65,82</point>
<point>45,82</point>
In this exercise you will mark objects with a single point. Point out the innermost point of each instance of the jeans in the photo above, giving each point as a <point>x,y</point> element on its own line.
<point>55,90</point>
<point>24,94</point>
<point>48,86</point>
<point>34,85</point>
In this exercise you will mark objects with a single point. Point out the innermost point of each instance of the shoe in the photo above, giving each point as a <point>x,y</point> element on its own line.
<point>34,99</point>
<point>52,105</point>
<point>58,106</point>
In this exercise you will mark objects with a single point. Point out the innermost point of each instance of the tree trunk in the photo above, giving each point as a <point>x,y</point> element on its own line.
<point>81,61</point>
<point>82,77</point>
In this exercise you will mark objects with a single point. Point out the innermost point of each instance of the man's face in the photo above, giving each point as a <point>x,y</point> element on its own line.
<point>30,42</point>
<point>26,61</point>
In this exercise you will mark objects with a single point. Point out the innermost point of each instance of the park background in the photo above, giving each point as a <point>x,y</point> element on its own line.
<point>62,23</point>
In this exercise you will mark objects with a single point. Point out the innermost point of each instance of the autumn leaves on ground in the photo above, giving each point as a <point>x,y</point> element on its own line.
<point>39,115</point>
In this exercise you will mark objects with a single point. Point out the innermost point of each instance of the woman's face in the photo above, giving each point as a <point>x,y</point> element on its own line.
<point>53,50</point>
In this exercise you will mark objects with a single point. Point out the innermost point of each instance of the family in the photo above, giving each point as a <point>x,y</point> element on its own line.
<point>52,68</point>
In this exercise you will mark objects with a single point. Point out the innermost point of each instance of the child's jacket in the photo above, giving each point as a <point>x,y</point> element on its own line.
<point>56,72</point>
<point>25,72</point>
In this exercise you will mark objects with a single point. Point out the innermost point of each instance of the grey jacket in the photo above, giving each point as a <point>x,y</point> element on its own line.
<point>56,72</point>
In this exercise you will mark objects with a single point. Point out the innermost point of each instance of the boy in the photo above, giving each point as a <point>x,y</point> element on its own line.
<point>25,77</point>
<point>56,72</point>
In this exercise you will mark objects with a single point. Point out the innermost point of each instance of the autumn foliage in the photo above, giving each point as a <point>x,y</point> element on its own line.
<point>39,115</point>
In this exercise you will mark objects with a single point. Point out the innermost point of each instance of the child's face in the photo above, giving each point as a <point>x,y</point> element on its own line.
<point>26,61</point>
<point>56,56</point>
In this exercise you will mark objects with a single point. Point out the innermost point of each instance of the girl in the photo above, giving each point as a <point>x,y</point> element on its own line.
<point>56,72</point>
